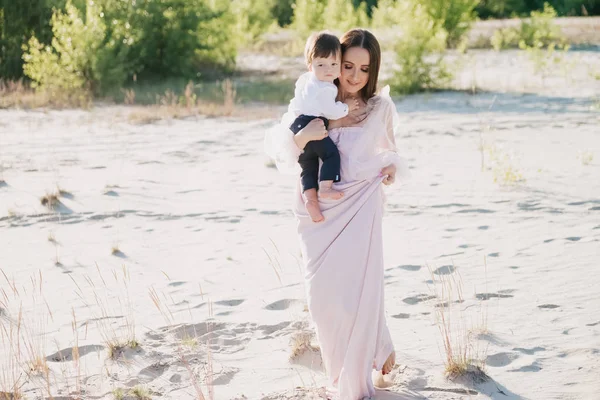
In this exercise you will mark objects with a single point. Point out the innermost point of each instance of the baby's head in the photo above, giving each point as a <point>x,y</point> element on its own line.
<point>323,54</point>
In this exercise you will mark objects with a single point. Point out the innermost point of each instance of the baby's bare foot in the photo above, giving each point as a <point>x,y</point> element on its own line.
<point>389,364</point>
<point>313,209</point>
<point>328,193</point>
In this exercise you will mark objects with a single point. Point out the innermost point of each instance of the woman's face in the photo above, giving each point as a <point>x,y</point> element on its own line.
<point>355,70</point>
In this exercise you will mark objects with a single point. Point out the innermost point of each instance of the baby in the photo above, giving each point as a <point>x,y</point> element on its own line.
<point>314,97</point>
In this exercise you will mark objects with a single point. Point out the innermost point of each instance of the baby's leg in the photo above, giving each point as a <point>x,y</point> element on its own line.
<point>327,192</point>
<point>312,205</point>
<point>330,170</point>
<point>309,161</point>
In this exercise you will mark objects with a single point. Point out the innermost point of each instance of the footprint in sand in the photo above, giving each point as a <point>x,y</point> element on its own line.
<point>529,352</point>
<point>417,299</point>
<point>487,296</point>
<point>283,304</point>
<point>67,354</point>
<point>230,303</point>
<point>410,267</point>
<point>534,367</point>
<point>548,306</point>
<point>153,371</point>
<point>500,359</point>
<point>197,330</point>
<point>270,329</point>
<point>444,270</point>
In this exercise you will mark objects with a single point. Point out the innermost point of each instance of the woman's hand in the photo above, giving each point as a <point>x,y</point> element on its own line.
<point>390,174</point>
<point>314,130</point>
<point>353,118</point>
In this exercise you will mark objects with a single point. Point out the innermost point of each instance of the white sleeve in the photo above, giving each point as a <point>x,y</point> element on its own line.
<point>327,105</point>
<point>386,142</point>
<point>279,144</point>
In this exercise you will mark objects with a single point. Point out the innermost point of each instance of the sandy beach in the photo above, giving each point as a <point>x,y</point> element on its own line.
<point>174,244</point>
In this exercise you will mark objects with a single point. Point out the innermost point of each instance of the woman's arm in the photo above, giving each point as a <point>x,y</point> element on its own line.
<point>387,143</point>
<point>314,130</point>
<point>353,118</point>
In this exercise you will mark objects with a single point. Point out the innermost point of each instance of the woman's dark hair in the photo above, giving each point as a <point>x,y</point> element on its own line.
<point>365,40</point>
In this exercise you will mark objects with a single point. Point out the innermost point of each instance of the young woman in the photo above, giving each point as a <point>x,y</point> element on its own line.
<point>343,254</point>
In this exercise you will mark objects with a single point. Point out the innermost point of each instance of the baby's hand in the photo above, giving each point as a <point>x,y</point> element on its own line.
<point>352,104</point>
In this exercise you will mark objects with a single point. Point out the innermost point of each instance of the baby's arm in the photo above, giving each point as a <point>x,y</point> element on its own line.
<point>330,108</point>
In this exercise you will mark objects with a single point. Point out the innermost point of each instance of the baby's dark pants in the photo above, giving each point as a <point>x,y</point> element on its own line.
<point>323,149</point>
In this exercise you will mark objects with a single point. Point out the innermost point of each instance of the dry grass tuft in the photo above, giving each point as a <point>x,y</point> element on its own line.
<point>116,348</point>
<point>19,94</point>
<point>116,251</point>
<point>50,200</point>
<point>586,157</point>
<point>301,342</point>
<point>141,393</point>
<point>463,357</point>
<point>118,394</point>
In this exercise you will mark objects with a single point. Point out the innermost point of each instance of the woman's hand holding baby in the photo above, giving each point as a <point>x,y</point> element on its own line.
<point>353,118</point>
<point>314,130</point>
<point>352,104</point>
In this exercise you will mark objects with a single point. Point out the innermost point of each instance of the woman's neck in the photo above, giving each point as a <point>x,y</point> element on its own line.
<point>343,96</point>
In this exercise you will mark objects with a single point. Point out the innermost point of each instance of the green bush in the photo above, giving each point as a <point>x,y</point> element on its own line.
<point>454,16</point>
<point>500,8</point>
<point>120,40</point>
<point>252,19</point>
<point>419,54</point>
<point>337,15</point>
<point>509,8</point>
<point>341,15</point>
<point>67,65</point>
<point>282,11</point>
<point>308,16</point>
<point>538,31</point>
<point>388,13</point>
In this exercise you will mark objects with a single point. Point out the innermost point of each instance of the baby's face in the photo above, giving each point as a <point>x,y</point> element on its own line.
<point>326,69</point>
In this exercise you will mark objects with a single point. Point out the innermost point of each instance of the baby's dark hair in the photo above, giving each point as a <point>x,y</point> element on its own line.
<point>322,44</point>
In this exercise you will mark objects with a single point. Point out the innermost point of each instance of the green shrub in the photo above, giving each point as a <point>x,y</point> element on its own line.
<point>538,31</point>
<point>500,8</point>
<point>282,11</point>
<point>454,16</point>
<point>388,13</point>
<point>337,15</point>
<point>419,54</point>
<point>341,15</point>
<point>252,19</point>
<point>308,16</point>
<point>67,65</point>
<point>120,40</point>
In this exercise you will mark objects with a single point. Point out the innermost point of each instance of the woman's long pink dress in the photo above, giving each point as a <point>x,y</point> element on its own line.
<point>344,254</point>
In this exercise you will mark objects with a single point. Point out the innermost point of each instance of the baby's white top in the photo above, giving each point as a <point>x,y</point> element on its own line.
<point>317,98</point>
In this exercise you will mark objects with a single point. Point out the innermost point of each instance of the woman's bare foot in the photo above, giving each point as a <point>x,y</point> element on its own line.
<point>313,209</point>
<point>327,192</point>
<point>389,363</point>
